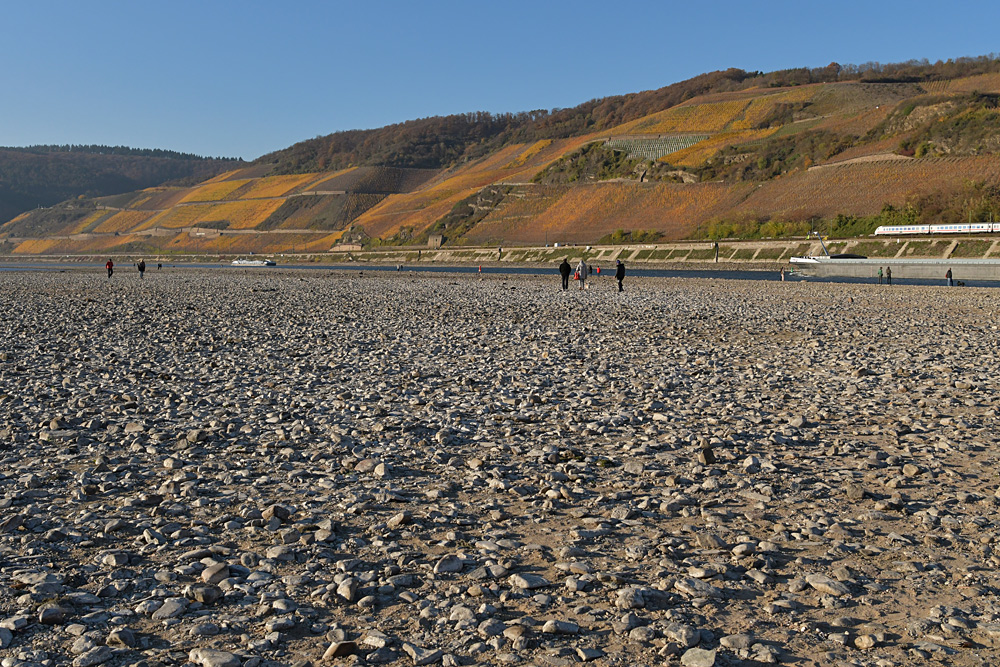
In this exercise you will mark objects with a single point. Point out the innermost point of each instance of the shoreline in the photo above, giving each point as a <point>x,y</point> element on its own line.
<point>322,262</point>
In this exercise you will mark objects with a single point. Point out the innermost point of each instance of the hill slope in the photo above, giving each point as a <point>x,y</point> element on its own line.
<point>730,153</point>
<point>45,175</point>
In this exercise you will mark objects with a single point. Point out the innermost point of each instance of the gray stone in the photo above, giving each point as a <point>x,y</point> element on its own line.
<point>528,581</point>
<point>422,656</point>
<point>95,656</point>
<point>741,642</point>
<point>213,574</point>
<point>339,649</point>
<point>206,657</point>
<point>171,608</point>
<point>560,627</point>
<point>825,584</point>
<point>697,588</point>
<point>697,657</point>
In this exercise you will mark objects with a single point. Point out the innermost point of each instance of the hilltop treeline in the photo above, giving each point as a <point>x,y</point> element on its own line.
<point>98,149</point>
<point>442,141</point>
<point>37,178</point>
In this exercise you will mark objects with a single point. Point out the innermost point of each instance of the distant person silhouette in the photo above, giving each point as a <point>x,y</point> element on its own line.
<point>110,266</point>
<point>619,273</point>
<point>142,268</point>
<point>564,271</point>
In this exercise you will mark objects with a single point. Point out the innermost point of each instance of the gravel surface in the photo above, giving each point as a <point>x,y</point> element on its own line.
<point>225,468</point>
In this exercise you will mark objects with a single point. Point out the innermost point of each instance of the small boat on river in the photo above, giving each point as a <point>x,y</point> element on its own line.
<point>254,262</point>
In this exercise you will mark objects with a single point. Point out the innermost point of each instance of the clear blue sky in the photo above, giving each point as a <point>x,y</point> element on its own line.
<point>243,78</point>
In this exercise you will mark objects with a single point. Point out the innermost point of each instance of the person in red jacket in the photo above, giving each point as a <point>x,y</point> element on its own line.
<point>110,266</point>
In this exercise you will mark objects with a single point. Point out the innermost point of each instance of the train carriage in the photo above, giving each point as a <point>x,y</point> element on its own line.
<point>970,228</point>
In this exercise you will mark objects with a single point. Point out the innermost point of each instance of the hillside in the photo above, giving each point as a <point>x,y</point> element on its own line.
<point>46,175</point>
<point>725,154</point>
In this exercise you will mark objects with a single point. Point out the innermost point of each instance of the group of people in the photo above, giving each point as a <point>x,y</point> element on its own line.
<point>583,270</point>
<point>140,265</point>
<point>949,280</point>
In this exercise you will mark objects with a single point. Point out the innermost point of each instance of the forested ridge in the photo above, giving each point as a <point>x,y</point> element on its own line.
<point>442,141</point>
<point>100,149</point>
<point>36,176</point>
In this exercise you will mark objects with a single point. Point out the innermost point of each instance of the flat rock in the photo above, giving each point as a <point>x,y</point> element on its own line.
<point>697,657</point>
<point>207,657</point>
<point>826,585</point>
<point>528,581</point>
<point>422,656</point>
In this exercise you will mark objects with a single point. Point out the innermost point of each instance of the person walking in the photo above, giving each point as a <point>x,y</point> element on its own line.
<point>888,275</point>
<point>880,275</point>
<point>110,266</point>
<point>619,273</point>
<point>581,270</point>
<point>564,271</point>
<point>948,276</point>
<point>142,268</point>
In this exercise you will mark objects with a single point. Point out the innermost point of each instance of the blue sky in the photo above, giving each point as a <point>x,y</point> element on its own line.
<point>240,79</point>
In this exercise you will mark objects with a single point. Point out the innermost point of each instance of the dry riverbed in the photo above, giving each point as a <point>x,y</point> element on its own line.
<point>225,468</point>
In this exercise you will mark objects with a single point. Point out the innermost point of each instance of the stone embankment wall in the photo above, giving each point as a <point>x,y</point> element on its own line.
<point>698,255</point>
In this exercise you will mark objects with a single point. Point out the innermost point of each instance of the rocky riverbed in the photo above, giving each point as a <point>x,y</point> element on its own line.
<point>225,468</point>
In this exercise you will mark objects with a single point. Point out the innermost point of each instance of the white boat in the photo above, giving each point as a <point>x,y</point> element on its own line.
<point>254,262</point>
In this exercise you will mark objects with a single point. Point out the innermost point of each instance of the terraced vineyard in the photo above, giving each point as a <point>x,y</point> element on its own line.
<point>528,153</point>
<point>697,153</point>
<point>654,149</point>
<point>712,117</point>
<point>865,187</point>
<point>215,215</point>
<point>215,191</point>
<point>983,83</point>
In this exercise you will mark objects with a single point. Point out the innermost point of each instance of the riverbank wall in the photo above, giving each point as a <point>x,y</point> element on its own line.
<point>763,255</point>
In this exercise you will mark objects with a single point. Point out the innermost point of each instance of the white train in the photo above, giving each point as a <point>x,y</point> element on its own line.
<point>972,228</point>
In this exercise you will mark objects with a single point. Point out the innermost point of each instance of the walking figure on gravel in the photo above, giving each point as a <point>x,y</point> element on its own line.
<point>110,266</point>
<point>581,270</point>
<point>564,271</point>
<point>619,273</point>
<point>142,268</point>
